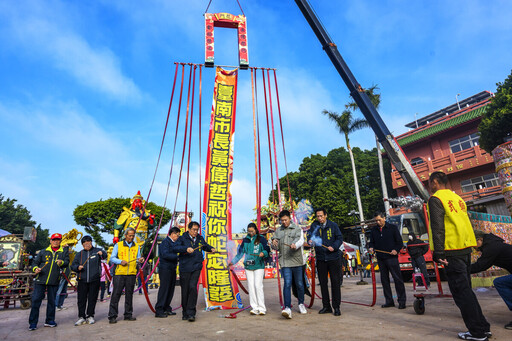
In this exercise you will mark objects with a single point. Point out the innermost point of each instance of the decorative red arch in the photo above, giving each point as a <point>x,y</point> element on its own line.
<point>227,20</point>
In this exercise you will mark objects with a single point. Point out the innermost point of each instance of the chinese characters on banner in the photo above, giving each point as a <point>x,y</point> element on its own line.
<point>221,290</point>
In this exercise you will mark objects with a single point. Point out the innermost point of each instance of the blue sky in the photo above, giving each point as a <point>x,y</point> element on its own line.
<point>85,86</point>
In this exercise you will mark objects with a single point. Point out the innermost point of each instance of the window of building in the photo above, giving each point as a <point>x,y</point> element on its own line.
<point>465,142</point>
<point>417,161</point>
<point>480,182</point>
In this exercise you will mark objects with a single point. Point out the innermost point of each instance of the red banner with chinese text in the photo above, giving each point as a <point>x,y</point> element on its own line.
<point>220,288</point>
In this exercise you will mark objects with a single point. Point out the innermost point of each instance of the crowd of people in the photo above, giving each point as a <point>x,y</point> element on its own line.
<point>451,241</point>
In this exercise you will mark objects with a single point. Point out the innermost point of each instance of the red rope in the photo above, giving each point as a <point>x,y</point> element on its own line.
<point>165,131</point>
<point>107,271</point>
<point>278,279</point>
<point>190,140</point>
<point>208,6</point>
<point>67,280</point>
<point>172,161</point>
<point>240,7</point>
<point>199,129</point>
<point>268,134</point>
<point>256,144</point>
<point>274,143</point>
<point>374,289</point>
<point>259,147</point>
<point>174,146</point>
<point>184,139</point>
<point>239,282</point>
<point>143,280</point>
<point>312,279</point>
<point>282,137</point>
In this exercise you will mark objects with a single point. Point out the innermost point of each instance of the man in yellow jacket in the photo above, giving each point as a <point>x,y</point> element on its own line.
<point>125,255</point>
<point>451,239</point>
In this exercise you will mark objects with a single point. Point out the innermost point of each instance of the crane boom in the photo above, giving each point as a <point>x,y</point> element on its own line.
<point>388,141</point>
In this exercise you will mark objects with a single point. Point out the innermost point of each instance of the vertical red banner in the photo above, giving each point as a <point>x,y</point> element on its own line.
<point>220,289</point>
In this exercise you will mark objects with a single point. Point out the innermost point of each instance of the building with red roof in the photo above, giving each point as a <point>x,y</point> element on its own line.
<point>447,140</point>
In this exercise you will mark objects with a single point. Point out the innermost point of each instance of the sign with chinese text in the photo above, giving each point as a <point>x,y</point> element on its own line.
<point>220,287</point>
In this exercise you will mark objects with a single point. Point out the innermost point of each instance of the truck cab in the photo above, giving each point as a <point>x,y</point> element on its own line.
<point>410,222</point>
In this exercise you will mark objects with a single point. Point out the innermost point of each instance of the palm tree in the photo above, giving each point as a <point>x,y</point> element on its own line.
<point>346,124</point>
<point>375,99</point>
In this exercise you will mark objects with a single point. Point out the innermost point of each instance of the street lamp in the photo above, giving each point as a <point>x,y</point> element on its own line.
<point>457,99</point>
<point>355,214</point>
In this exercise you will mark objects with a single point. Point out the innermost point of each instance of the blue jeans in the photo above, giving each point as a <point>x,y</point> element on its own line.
<point>294,273</point>
<point>503,285</point>
<point>37,299</point>
<point>61,292</point>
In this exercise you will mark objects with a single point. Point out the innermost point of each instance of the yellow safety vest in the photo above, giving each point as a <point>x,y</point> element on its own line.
<point>457,227</point>
<point>129,254</point>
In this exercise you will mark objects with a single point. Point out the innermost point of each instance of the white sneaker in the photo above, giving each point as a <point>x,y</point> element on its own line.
<point>254,312</point>
<point>302,309</point>
<point>287,313</point>
<point>80,321</point>
<point>263,312</point>
<point>90,320</point>
<point>468,336</point>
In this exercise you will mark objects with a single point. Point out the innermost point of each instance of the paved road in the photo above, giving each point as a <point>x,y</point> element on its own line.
<point>441,321</point>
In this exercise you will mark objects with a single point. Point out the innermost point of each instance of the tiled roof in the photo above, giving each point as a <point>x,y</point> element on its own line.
<point>442,126</point>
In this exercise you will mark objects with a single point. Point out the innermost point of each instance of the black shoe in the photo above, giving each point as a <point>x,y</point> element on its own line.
<point>337,312</point>
<point>191,318</point>
<point>161,315</point>
<point>387,305</point>
<point>401,306</point>
<point>112,320</point>
<point>184,318</point>
<point>509,325</point>
<point>325,311</point>
<point>488,334</point>
<point>170,313</point>
<point>130,318</point>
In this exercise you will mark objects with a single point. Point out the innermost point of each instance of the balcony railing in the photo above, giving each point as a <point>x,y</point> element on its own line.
<point>480,193</point>
<point>452,163</point>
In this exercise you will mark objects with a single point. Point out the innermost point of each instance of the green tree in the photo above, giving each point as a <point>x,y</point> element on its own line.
<point>327,181</point>
<point>15,217</point>
<point>99,217</point>
<point>346,125</point>
<point>496,122</point>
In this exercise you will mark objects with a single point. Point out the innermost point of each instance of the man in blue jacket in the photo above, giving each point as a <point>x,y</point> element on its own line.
<point>326,237</point>
<point>168,256</point>
<point>385,239</point>
<point>191,264</point>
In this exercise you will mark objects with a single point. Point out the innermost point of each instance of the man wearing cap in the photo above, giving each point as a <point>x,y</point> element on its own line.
<point>87,265</point>
<point>47,266</point>
<point>125,255</point>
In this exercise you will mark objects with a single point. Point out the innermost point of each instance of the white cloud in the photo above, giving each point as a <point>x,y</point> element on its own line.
<point>47,35</point>
<point>62,158</point>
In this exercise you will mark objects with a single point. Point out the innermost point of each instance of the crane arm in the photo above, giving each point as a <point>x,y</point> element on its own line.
<point>388,141</point>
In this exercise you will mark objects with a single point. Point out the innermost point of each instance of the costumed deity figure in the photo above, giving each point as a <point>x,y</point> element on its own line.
<point>135,217</point>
